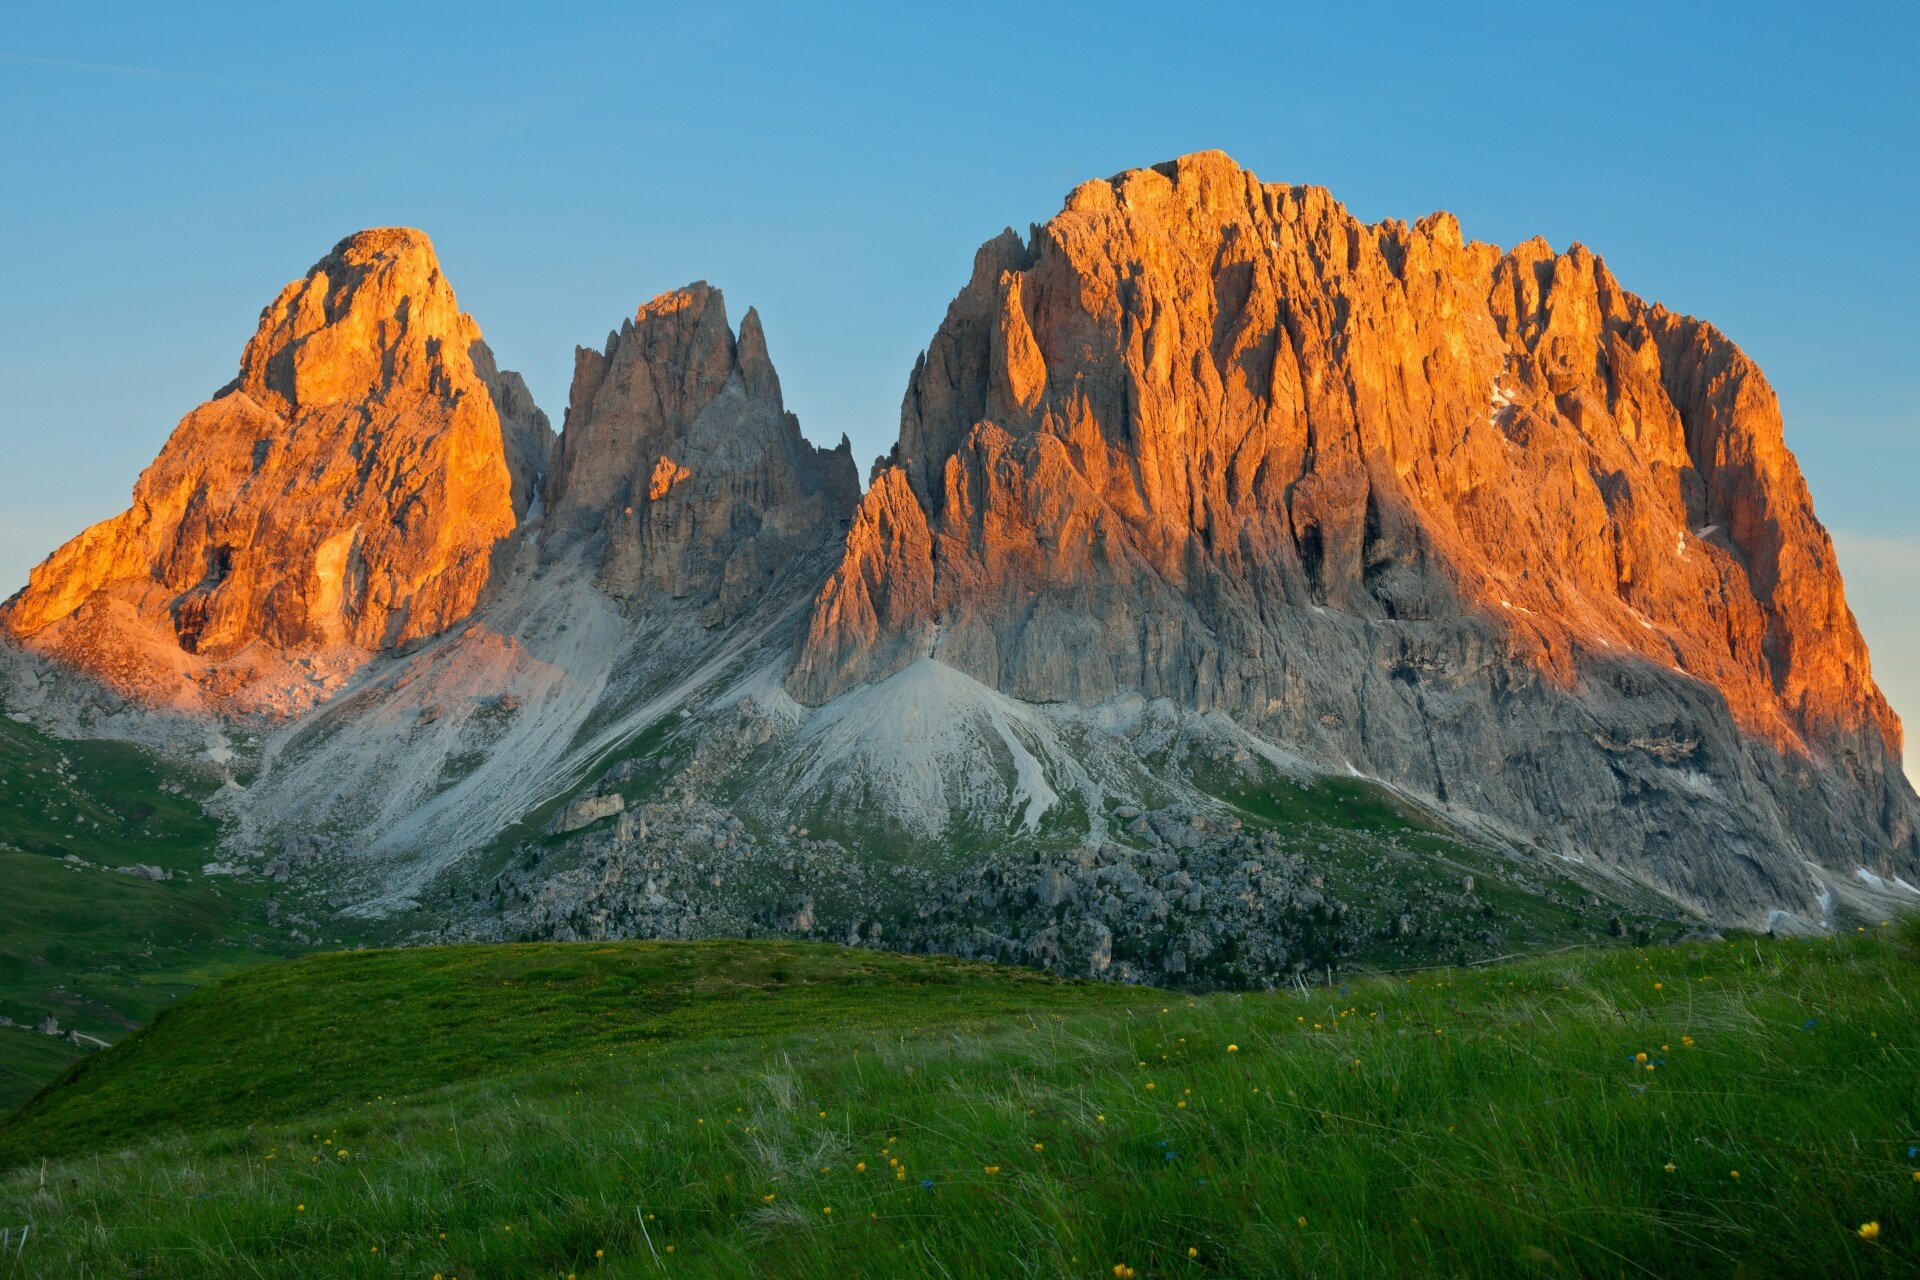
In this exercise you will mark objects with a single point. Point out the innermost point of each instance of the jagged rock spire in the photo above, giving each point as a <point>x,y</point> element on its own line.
<point>681,468</point>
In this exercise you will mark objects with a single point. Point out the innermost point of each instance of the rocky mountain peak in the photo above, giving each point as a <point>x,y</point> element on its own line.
<point>373,314</point>
<point>1244,378</point>
<point>680,468</point>
<point>1215,440</point>
<point>343,495</point>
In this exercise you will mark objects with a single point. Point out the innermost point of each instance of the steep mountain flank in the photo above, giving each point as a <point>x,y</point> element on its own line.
<point>685,525</point>
<point>1480,524</point>
<point>343,496</point>
<point>681,463</point>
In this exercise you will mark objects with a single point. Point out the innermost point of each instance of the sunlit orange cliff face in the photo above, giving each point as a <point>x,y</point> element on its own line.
<point>340,497</point>
<point>1480,523</point>
<point>1189,385</point>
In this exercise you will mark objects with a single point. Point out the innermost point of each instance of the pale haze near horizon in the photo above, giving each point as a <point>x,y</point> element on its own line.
<point>168,172</point>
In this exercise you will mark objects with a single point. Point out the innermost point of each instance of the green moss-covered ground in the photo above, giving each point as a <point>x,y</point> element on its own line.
<point>770,1109</point>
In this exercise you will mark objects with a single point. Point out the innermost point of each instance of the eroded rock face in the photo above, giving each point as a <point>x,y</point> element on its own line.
<point>1482,524</point>
<point>344,495</point>
<point>680,465</point>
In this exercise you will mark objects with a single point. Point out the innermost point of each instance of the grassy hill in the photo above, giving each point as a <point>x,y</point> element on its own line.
<point>99,950</point>
<point>83,943</point>
<point>770,1109</point>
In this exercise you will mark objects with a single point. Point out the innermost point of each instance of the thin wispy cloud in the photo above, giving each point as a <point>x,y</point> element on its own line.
<point>163,73</point>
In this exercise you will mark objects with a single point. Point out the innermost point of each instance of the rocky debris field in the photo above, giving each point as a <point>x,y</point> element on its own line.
<point>1180,898</point>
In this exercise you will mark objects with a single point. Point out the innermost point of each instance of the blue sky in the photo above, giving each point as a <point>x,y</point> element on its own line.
<point>167,168</point>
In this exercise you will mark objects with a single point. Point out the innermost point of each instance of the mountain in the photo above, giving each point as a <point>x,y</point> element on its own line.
<point>1483,525</point>
<point>1251,590</point>
<point>343,496</point>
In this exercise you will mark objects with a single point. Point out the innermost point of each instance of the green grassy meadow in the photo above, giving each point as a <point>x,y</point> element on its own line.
<point>789,1110</point>
<point>100,951</point>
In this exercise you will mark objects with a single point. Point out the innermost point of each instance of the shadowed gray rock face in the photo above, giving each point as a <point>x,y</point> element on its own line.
<point>681,466</point>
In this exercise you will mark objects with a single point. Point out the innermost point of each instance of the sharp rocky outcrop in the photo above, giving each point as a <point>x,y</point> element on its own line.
<point>343,496</point>
<point>682,468</point>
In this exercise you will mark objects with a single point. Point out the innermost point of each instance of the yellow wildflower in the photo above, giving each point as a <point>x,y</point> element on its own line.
<point>1869,1231</point>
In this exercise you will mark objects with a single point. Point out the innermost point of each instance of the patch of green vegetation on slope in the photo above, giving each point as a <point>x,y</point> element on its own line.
<point>1420,893</point>
<point>260,1047</point>
<point>1710,1109</point>
<point>101,951</point>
